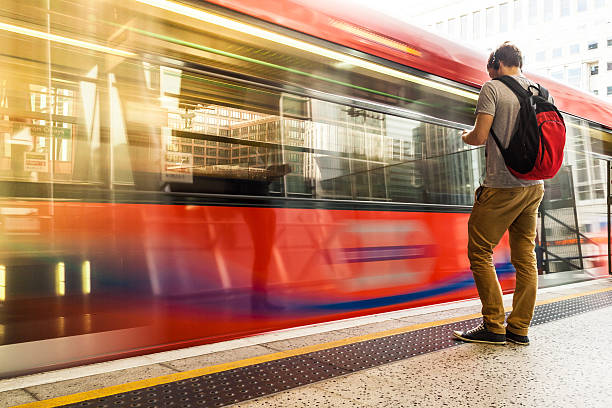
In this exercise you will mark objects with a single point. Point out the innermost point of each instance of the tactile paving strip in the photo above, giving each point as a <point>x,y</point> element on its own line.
<point>241,384</point>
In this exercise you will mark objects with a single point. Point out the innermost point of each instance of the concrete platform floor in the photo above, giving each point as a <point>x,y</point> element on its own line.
<point>569,363</point>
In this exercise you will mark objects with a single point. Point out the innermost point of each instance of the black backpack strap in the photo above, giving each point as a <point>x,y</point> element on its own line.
<point>514,86</point>
<point>497,142</point>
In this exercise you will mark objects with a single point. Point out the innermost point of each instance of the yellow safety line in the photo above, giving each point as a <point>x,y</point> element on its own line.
<point>136,385</point>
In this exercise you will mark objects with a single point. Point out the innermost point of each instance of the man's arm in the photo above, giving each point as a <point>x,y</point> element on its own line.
<point>482,127</point>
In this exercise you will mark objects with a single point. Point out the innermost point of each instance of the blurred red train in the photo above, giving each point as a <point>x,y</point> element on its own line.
<point>180,173</point>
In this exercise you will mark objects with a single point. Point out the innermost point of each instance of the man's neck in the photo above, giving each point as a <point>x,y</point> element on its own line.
<point>512,71</point>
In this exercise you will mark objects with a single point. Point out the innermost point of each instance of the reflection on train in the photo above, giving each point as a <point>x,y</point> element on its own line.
<point>173,175</point>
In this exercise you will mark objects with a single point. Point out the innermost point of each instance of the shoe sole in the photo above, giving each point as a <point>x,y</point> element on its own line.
<point>520,343</point>
<point>496,343</point>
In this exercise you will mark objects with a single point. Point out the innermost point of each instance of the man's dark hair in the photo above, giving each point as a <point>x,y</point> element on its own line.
<point>507,53</point>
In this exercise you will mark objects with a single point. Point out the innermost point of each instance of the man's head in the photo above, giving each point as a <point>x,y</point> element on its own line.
<point>507,57</point>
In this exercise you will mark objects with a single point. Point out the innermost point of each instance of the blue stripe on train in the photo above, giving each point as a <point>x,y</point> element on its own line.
<point>503,270</point>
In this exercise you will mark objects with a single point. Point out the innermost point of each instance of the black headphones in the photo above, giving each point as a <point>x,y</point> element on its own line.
<point>495,61</point>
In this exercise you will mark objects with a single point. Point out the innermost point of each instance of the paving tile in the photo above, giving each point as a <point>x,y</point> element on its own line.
<point>376,327</point>
<point>93,382</point>
<point>302,397</point>
<point>304,341</point>
<point>15,397</point>
<point>221,357</point>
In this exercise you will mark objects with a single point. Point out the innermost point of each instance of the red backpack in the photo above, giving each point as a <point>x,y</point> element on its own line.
<point>535,151</point>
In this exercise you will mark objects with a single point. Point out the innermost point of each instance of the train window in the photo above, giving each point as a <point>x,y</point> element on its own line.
<point>215,119</point>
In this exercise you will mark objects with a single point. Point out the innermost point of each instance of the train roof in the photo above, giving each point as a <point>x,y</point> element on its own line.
<point>432,54</point>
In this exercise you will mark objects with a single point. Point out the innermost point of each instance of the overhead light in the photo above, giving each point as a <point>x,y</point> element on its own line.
<point>64,40</point>
<point>60,279</point>
<point>2,283</point>
<point>86,277</point>
<point>236,25</point>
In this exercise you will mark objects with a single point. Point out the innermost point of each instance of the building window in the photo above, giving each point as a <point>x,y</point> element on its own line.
<point>595,92</point>
<point>476,24</point>
<point>573,76</point>
<point>533,11</point>
<point>609,66</point>
<point>565,8</point>
<point>592,45</point>
<point>582,5</point>
<point>558,74</point>
<point>453,27</point>
<point>490,21</point>
<point>503,17</point>
<point>540,56</point>
<point>574,48</point>
<point>609,42</point>
<point>594,69</point>
<point>463,22</point>
<point>609,92</point>
<point>518,13</point>
<point>548,10</point>
<point>557,52</point>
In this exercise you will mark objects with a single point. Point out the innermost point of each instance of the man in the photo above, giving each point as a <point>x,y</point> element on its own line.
<point>503,203</point>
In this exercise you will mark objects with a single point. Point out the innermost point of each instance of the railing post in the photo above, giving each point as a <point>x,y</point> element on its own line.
<point>543,243</point>
<point>608,201</point>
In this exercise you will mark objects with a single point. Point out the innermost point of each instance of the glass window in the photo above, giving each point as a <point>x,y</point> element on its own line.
<point>595,92</point>
<point>557,52</point>
<point>609,91</point>
<point>476,24</point>
<point>548,10</point>
<point>594,69</point>
<point>557,74</point>
<point>533,11</point>
<point>490,21</point>
<point>565,8</point>
<point>464,27</point>
<point>518,13</point>
<point>503,17</point>
<point>609,66</point>
<point>453,27</point>
<point>609,42</point>
<point>573,76</point>
<point>592,45</point>
<point>582,5</point>
<point>574,48</point>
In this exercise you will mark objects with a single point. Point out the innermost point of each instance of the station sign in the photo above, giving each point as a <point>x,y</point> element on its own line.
<point>34,161</point>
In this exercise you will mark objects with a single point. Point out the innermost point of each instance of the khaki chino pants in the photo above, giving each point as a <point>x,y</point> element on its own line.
<point>495,211</point>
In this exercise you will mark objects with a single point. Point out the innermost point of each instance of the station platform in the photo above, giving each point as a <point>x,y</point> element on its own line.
<point>399,359</point>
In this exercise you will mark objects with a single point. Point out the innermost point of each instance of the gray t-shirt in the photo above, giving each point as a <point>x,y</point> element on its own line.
<point>498,100</point>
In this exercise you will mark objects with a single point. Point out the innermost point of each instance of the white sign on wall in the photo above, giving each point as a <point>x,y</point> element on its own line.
<point>36,162</point>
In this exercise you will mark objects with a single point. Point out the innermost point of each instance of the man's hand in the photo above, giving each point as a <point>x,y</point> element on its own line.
<point>478,135</point>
